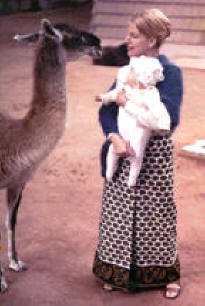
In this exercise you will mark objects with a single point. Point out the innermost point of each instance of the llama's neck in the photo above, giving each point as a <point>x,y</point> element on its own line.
<point>49,76</point>
<point>48,109</point>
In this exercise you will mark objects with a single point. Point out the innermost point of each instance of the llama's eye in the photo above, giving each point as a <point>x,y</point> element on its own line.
<point>83,40</point>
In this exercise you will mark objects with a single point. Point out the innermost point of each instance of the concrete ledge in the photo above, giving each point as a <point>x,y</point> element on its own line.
<point>187,56</point>
<point>195,150</point>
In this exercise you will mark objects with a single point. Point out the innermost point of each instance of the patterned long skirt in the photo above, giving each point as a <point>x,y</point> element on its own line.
<point>137,231</point>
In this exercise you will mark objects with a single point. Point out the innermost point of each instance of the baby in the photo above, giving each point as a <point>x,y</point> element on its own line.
<point>142,113</point>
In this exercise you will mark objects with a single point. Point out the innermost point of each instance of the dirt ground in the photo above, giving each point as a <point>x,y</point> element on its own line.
<point>58,219</point>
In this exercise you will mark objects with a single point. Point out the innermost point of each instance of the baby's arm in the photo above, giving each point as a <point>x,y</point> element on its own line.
<point>107,97</point>
<point>111,95</point>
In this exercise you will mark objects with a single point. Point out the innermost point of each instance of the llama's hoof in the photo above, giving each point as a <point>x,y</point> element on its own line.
<point>18,266</point>
<point>3,285</point>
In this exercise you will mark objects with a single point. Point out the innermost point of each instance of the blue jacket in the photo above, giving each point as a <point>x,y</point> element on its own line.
<point>171,93</point>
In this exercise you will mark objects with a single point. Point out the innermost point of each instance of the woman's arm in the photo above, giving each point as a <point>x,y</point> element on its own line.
<point>108,115</point>
<point>108,120</point>
<point>171,92</point>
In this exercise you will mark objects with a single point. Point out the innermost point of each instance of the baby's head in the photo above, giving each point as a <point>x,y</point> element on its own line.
<point>147,70</point>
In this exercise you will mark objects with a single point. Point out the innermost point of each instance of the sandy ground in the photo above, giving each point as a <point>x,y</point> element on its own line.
<point>58,219</point>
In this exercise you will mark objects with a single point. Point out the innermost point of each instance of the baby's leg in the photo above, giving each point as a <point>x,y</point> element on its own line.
<point>138,142</point>
<point>135,167</point>
<point>111,163</point>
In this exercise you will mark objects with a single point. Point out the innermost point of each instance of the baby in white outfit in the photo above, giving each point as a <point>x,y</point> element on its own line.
<point>142,113</point>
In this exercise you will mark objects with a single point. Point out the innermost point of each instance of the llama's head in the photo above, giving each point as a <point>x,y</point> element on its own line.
<point>75,42</point>
<point>79,42</point>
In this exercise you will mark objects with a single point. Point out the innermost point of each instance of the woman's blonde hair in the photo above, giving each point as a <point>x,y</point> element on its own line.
<point>153,24</point>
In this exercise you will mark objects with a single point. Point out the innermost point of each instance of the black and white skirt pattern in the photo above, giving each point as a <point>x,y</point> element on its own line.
<point>138,224</point>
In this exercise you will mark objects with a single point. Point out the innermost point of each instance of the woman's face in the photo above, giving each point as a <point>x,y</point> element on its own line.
<point>137,43</point>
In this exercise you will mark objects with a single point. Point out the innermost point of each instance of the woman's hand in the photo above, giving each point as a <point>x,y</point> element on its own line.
<point>121,98</point>
<point>122,147</point>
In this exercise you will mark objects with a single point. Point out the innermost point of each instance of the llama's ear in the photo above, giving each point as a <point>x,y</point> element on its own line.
<point>46,26</point>
<point>48,29</point>
<point>30,38</point>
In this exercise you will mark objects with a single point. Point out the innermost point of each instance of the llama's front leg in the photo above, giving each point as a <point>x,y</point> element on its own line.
<point>14,196</point>
<point>111,163</point>
<point>3,284</point>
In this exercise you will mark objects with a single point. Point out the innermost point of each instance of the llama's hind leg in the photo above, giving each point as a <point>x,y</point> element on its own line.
<point>14,196</point>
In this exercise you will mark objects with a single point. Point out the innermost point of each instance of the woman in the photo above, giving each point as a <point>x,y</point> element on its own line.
<point>137,232</point>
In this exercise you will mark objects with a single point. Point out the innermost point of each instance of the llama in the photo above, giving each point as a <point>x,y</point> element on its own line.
<point>25,142</point>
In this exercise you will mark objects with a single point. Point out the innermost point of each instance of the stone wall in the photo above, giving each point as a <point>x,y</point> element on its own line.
<point>13,6</point>
<point>110,18</point>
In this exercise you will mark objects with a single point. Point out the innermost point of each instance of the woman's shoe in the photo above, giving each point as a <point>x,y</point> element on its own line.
<point>172,291</point>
